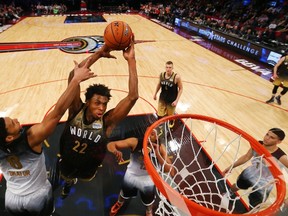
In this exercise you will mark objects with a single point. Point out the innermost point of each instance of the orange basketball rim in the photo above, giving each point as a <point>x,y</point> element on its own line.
<point>192,208</point>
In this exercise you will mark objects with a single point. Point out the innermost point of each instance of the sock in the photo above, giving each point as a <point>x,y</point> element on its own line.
<point>120,202</point>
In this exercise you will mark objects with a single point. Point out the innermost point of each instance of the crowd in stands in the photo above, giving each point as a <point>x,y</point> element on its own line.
<point>256,21</point>
<point>9,13</point>
<point>259,23</point>
<point>55,9</point>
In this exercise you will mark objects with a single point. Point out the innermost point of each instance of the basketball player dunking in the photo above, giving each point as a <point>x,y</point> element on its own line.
<point>83,142</point>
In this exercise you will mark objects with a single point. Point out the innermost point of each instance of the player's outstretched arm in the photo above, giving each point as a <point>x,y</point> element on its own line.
<point>114,147</point>
<point>103,52</point>
<point>125,105</point>
<point>39,132</point>
<point>243,159</point>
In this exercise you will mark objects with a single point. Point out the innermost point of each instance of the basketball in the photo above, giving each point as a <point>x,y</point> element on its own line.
<point>117,35</point>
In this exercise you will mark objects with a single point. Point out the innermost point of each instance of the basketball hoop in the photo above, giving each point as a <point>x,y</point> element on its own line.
<point>198,146</point>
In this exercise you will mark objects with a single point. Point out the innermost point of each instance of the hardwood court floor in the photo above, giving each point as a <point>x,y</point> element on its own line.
<point>32,81</point>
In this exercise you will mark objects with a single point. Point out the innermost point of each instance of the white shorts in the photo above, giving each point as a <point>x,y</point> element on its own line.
<point>144,184</point>
<point>39,203</point>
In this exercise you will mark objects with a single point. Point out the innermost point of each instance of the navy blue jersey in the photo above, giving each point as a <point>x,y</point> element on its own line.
<point>83,146</point>
<point>282,70</point>
<point>169,89</point>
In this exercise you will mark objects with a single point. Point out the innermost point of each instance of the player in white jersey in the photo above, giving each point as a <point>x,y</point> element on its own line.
<point>136,177</point>
<point>258,175</point>
<point>22,160</point>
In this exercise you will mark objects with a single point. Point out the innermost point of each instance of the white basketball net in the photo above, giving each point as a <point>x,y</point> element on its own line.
<point>199,150</point>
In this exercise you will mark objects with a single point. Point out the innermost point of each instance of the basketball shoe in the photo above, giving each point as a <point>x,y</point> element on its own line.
<point>67,187</point>
<point>115,208</point>
<point>278,99</point>
<point>271,100</point>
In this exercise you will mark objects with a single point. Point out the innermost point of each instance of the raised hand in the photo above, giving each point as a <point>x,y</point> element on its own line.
<point>105,52</point>
<point>83,73</point>
<point>129,52</point>
<point>226,171</point>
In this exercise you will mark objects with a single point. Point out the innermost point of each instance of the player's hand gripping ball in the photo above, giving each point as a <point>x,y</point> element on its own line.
<point>117,35</point>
